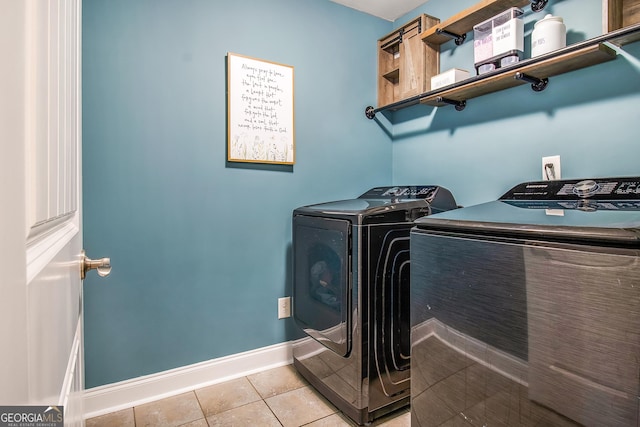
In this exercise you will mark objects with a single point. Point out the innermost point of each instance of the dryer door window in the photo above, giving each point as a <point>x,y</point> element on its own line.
<point>321,280</point>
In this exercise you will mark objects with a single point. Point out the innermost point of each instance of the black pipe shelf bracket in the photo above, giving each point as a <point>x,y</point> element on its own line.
<point>370,112</point>
<point>537,84</point>
<point>458,104</point>
<point>459,38</point>
<point>538,5</point>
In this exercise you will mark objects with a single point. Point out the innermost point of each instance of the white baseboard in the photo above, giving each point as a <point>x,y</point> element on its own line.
<point>136,391</point>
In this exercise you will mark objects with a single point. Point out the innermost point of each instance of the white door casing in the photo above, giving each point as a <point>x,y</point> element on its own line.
<point>41,360</point>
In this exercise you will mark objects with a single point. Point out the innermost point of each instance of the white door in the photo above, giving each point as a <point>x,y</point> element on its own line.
<point>41,360</point>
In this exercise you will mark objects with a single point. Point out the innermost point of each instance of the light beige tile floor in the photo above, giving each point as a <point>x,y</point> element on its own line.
<point>277,397</point>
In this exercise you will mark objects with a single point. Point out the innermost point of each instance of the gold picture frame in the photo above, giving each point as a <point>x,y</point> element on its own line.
<point>260,119</point>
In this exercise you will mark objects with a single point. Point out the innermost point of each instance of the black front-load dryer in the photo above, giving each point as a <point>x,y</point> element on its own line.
<point>351,295</point>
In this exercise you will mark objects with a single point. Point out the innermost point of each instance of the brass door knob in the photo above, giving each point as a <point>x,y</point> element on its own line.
<point>102,266</point>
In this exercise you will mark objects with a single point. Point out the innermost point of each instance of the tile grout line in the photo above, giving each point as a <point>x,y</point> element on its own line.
<point>201,408</point>
<point>264,400</point>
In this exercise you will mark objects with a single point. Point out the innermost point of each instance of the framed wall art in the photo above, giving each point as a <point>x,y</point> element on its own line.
<point>260,122</point>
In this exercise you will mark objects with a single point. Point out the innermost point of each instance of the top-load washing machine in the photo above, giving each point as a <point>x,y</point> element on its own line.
<point>351,295</point>
<point>526,310</point>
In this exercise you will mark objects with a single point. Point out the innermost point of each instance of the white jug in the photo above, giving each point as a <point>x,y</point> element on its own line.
<point>548,34</point>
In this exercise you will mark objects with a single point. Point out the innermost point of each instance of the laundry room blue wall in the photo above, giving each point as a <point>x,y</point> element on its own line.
<point>590,117</point>
<point>200,247</point>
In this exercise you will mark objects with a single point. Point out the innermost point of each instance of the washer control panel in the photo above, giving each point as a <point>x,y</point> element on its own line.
<point>582,194</point>
<point>401,192</point>
<point>597,188</point>
<point>438,198</point>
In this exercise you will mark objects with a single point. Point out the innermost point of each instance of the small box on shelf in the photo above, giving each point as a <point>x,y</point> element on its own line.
<point>449,77</point>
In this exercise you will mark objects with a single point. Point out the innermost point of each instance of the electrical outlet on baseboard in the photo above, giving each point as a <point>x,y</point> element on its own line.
<point>284,307</point>
<point>551,168</point>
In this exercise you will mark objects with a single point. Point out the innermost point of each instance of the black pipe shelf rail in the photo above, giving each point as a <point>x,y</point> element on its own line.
<point>597,46</point>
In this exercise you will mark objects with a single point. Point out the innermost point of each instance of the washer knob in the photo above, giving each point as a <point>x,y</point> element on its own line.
<point>586,188</point>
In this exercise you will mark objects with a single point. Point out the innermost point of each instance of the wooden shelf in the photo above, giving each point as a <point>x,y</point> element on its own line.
<point>541,68</point>
<point>464,21</point>
<point>620,29</point>
<point>392,75</point>
<point>629,38</point>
